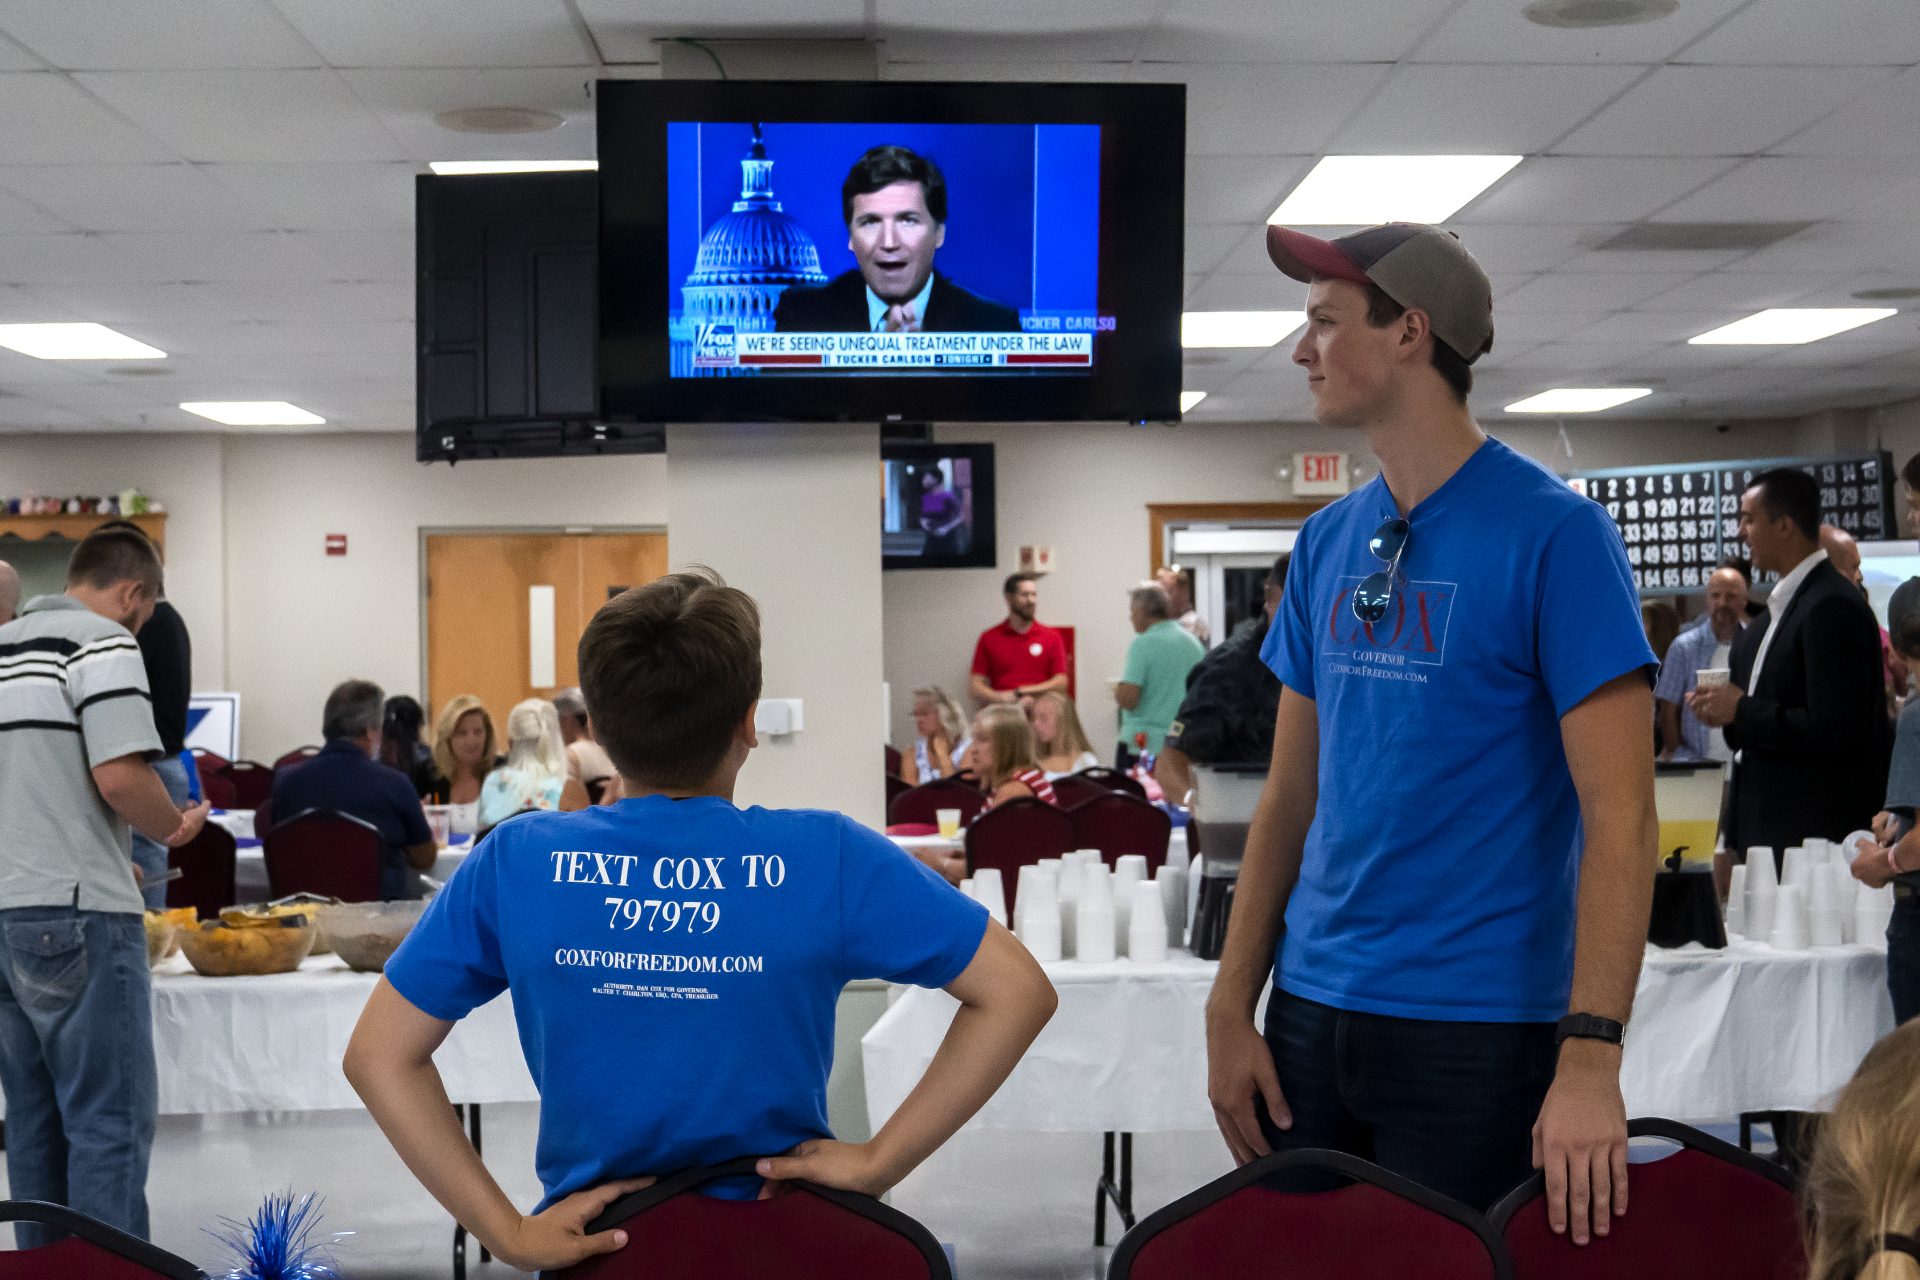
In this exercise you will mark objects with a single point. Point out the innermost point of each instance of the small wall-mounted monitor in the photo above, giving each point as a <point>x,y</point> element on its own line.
<point>936,506</point>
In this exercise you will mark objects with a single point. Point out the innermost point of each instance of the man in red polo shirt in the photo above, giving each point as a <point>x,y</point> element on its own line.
<point>1020,658</point>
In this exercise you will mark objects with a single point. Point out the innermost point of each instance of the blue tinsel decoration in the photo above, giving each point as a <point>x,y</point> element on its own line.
<point>277,1242</point>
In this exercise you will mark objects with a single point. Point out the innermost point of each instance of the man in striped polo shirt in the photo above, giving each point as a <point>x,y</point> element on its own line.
<point>76,1028</point>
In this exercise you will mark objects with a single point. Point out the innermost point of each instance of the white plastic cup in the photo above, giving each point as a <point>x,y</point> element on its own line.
<point>949,820</point>
<point>1040,932</point>
<point>1872,912</point>
<point>1737,903</point>
<point>990,890</point>
<point>1763,876</point>
<point>1147,925</point>
<point>1793,868</point>
<point>1094,926</point>
<point>1173,903</point>
<point>1712,677</point>
<point>1790,920</point>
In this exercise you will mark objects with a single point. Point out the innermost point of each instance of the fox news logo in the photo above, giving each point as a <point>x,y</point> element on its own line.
<point>714,347</point>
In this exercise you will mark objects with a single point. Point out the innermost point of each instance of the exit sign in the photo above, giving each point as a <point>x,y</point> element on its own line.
<point>1320,474</point>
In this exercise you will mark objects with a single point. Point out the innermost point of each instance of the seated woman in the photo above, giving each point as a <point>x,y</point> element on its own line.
<point>1002,756</point>
<point>1060,743</point>
<point>1863,1186</point>
<point>941,741</point>
<point>463,749</point>
<point>535,775</point>
<point>401,747</point>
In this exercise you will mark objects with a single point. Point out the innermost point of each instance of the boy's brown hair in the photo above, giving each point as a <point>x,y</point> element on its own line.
<point>669,670</point>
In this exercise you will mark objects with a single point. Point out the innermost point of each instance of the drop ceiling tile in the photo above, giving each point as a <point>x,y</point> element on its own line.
<point>226,257</point>
<point>1650,326</point>
<point>1590,189</point>
<point>56,259</point>
<point>440,33</point>
<point>1208,245</point>
<point>1734,293</point>
<point>1455,110</point>
<point>1232,189</point>
<point>1884,122</point>
<point>1014,30</point>
<point>178,34</point>
<point>1791,189</point>
<point>1830,33</point>
<point>1582,357</point>
<point>361,255</point>
<point>1838,247</point>
<point>151,197</point>
<point>1660,261</point>
<point>1524,329</point>
<point>272,116</point>
<point>406,102</point>
<point>1265,110</point>
<point>337,196</point>
<point>1706,111</point>
<point>1266,292</point>
<point>51,121</point>
<point>1495,31</point>
<point>1112,71</point>
<point>1306,31</point>
<point>1509,248</point>
<point>626,33</point>
<point>1590,291</point>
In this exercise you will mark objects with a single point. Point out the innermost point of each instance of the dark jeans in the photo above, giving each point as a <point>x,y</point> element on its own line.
<point>1450,1105</point>
<point>1903,956</point>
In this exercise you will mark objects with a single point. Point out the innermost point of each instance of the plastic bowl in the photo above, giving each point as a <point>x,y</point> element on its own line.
<point>365,934</point>
<point>161,935</point>
<point>223,951</point>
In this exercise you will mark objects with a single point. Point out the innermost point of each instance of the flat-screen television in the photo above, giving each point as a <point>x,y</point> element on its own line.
<point>936,506</point>
<point>830,251</point>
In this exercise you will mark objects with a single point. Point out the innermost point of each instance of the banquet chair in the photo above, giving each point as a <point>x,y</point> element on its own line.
<point>1073,791</point>
<point>217,789</point>
<point>921,803</point>
<point>1017,834</point>
<point>90,1249</point>
<point>297,756</point>
<point>324,851</point>
<point>206,863</point>
<point>896,787</point>
<point>252,783</point>
<point>894,760</point>
<point>1117,823</point>
<point>1113,780</point>
<point>1311,1215</point>
<point>262,819</point>
<point>1709,1211</point>
<point>207,762</point>
<point>807,1233</point>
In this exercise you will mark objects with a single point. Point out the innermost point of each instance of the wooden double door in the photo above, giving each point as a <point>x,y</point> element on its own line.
<point>505,610</point>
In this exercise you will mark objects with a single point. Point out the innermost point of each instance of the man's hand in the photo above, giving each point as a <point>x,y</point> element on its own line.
<point>1715,708</point>
<point>850,1166</point>
<point>192,819</point>
<point>1239,1067</point>
<point>1870,866</point>
<point>1885,827</point>
<point>1580,1141</point>
<point>558,1237</point>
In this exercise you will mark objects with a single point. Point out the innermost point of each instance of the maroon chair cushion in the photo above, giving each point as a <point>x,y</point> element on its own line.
<point>252,783</point>
<point>71,1259</point>
<point>207,864</point>
<point>1360,1231</point>
<point>1117,823</point>
<point>923,803</point>
<point>325,853</point>
<point>1017,834</point>
<point>1690,1216</point>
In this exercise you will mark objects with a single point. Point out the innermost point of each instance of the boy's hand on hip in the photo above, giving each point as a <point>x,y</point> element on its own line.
<point>557,1237</point>
<point>1239,1069</point>
<point>849,1166</point>
<point>1580,1141</point>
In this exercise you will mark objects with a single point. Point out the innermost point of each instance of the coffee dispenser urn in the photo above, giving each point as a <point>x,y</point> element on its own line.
<point>1224,796</point>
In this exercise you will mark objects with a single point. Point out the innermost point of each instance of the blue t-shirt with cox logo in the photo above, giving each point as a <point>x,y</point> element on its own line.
<point>1441,868</point>
<point>675,966</point>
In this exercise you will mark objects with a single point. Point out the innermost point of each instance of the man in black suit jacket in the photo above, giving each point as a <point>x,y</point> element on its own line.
<point>1805,712</point>
<point>895,205</point>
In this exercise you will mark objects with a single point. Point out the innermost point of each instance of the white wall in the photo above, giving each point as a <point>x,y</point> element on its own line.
<point>790,515</point>
<point>1896,428</point>
<point>1084,490</point>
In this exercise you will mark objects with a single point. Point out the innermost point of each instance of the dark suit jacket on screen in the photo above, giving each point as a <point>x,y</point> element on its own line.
<point>840,306</point>
<point>1813,735</point>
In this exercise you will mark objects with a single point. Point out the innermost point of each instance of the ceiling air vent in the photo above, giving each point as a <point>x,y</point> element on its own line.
<point>1680,236</point>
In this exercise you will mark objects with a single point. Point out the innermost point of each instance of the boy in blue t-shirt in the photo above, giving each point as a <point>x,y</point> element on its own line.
<point>675,960</point>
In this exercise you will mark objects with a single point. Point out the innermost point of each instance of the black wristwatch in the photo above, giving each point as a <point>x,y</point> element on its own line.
<point>1589,1026</point>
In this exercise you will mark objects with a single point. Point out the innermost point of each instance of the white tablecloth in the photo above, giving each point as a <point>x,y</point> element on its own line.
<point>1714,1034</point>
<point>250,864</point>
<point>1176,843</point>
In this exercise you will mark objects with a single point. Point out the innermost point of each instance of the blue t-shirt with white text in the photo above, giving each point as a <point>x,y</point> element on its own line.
<point>1441,868</point>
<point>675,966</point>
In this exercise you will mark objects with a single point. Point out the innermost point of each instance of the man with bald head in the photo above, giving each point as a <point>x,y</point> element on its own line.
<point>9,592</point>
<point>1843,553</point>
<point>1706,646</point>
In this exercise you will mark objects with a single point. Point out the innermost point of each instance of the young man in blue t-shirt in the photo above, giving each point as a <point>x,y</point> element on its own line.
<point>675,960</point>
<point>1457,831</point>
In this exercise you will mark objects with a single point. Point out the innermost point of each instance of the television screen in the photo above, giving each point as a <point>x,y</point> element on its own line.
<point>936,506</point>
<point>896,252</point>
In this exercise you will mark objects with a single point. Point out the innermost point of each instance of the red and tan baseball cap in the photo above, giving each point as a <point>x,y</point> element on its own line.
<point>1420,267</point>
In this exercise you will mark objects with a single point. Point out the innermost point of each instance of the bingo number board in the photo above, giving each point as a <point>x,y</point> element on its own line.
<point>1680,521</point>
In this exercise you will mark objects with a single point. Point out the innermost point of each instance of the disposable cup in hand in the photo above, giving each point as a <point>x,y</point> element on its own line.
<point>1712,677</point>
<point>949,820</point>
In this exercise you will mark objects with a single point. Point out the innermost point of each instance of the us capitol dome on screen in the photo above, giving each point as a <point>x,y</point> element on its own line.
<point>747,259</point>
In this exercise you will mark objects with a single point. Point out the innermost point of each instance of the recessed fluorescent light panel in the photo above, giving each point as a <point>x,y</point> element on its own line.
<point>461,168</point>
<point>1347,191</point>
<point>1790,326</point>
<point>1578,399</point>
<point>1237,328</point>
<point>1188,399</point>
<point>74,342</point>
<point>253,413</point>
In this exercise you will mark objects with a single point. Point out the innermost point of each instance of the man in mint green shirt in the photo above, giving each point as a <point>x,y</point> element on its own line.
<point>1155,680</point>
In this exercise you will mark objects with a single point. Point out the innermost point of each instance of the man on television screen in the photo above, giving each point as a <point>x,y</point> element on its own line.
<point>895,205</point>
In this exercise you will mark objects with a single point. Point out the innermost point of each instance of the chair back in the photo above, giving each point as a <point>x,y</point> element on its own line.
<point>1118,823</point>
<point>262,819</point>
<point>1709,1211</point>
<point>326,852</point>
<point>206,864</point>
<point>894,760</point>
<point>205,762</point>
<point>295,757</point>
<point>252,783</point>
<point>896,787</point>
<point>1017,834</point>
<point>1073,791</point>
<point>1310,1215</point>
<point>90,1249</point>
<point>922,803</point>
<point>217,789</point>
<point>1113,780</point>
<point>809,1233</point>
